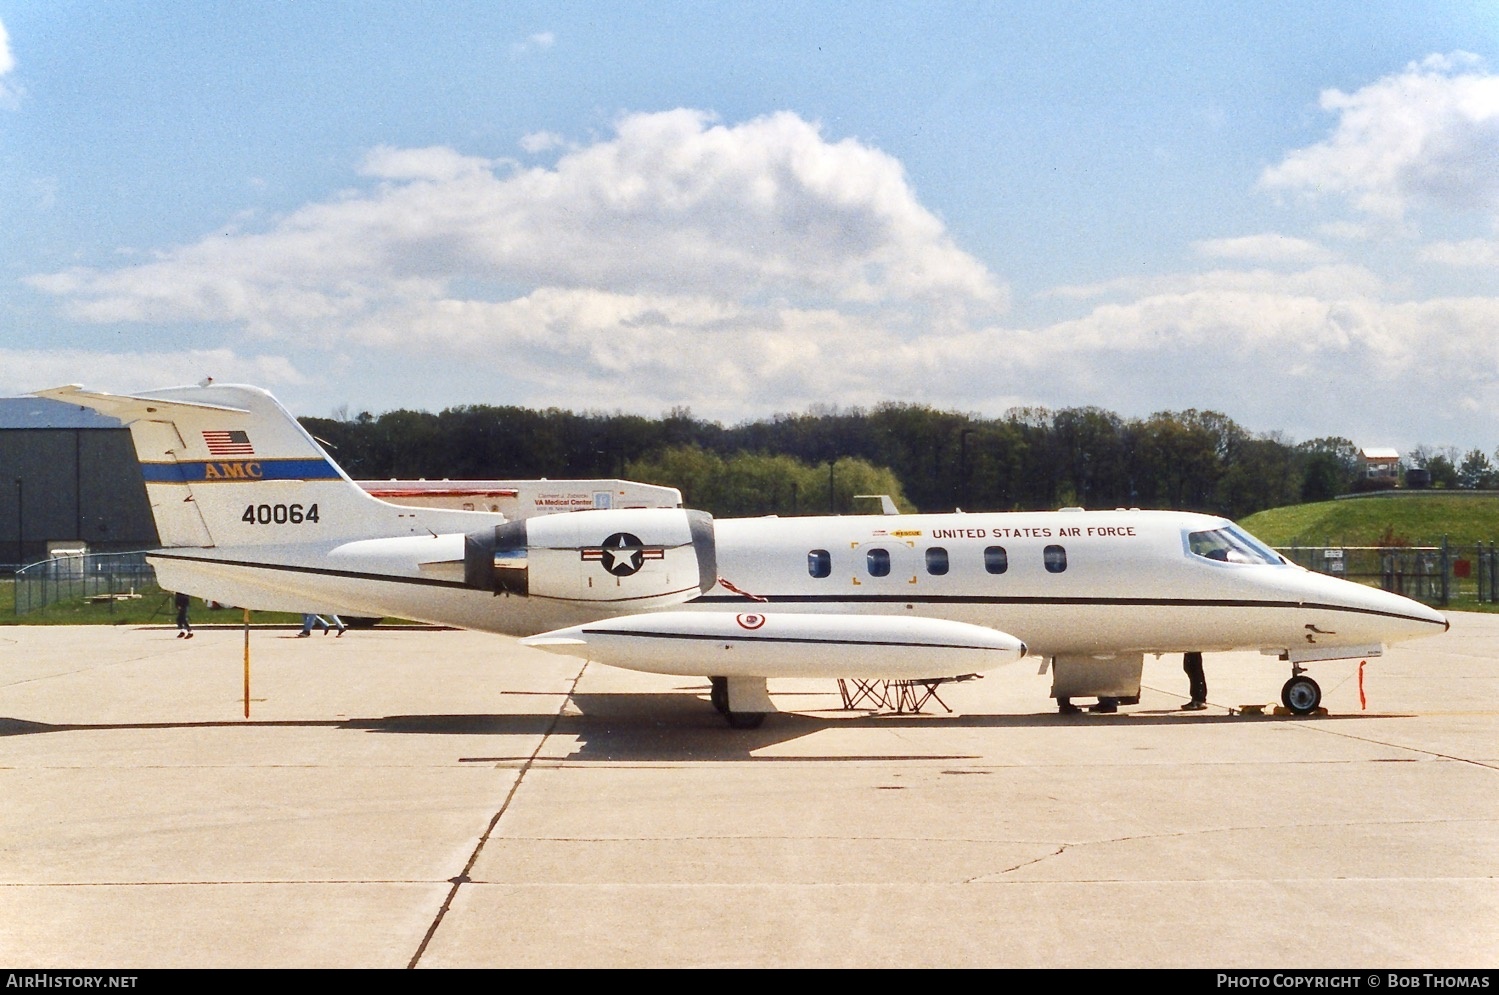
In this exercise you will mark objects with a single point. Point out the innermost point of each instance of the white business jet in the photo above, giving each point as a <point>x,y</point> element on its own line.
<point>252,512</point>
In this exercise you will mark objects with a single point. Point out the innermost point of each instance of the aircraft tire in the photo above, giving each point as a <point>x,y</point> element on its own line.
<point>718,694</point>
<point>1301,695</point>
<point>745,720</point>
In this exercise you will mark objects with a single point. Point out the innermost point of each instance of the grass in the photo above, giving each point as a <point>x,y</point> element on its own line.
<point>1385,519</point>
<point>153,607</point>
<point>1382,520</point>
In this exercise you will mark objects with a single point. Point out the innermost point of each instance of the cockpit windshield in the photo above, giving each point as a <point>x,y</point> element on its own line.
<point>1230,544</point>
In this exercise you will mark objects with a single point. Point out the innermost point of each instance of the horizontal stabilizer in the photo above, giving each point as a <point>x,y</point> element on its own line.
<point>127,407</point>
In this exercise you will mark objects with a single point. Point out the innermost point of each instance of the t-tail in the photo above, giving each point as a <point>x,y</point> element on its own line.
<point>228,466</point>
<point>252,512</point>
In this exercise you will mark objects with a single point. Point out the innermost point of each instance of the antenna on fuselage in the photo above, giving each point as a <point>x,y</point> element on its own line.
<point>887,503</point>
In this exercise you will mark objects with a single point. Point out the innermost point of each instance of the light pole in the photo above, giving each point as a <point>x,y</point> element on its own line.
<point>20,525</point>
<point>963,465</point>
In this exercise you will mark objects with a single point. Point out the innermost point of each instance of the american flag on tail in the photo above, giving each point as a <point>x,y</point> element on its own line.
<point>229,443</point>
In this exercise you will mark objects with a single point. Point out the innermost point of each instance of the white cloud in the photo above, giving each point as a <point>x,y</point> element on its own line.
<point>674,203</point>
<point>539,42</point>
<point>1474,253</point>
<point>8,92</point>
<point>436,164</point>
<point>1428,136</point>
<point>758,267</point>
<point>1262,344</point>
<point>25,370</point>
<point>1313,353</point>
<point>7,61</point>
<point>1268,248</point>
<point>542,141</point>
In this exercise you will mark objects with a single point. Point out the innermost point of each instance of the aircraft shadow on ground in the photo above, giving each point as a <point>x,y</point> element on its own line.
<point>680,726</point>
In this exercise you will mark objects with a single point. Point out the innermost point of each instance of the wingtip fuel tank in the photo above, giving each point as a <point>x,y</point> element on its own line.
<point>787,644</point>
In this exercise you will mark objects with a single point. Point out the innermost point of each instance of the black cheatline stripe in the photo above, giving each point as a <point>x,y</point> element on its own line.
<point>981,599</point>
<point>782,639</point>
<point>320,571</point>
<point>456,585</point>
<point>801,599</point>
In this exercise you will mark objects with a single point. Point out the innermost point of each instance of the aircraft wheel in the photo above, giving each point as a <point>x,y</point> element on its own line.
<point>1301,695</point>
<point>718,694</point>
<point>745,720</point>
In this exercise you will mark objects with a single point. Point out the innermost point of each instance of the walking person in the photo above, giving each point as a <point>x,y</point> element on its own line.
<point>184,627</point>
<point>309,621</point>
<point>1196,682</point>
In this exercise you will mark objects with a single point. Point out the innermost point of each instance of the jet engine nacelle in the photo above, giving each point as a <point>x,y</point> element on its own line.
<point>647,557</point>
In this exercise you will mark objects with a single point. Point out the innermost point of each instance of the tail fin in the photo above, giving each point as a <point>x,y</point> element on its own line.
<point>227,465</point>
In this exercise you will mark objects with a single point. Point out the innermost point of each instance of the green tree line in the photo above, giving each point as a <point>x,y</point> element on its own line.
<point>928,459</point>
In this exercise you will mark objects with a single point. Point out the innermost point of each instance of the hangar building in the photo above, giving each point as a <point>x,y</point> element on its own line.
<point>68,478</point>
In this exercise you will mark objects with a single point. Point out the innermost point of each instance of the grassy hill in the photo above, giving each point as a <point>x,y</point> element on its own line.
<point>1410,519</point>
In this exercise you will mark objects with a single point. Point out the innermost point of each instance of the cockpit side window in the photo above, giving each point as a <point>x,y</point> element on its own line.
<point>1231,544</point>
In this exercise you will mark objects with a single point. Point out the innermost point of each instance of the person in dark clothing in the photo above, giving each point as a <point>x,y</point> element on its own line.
<point>1196,682</point>
<point>184,627</point>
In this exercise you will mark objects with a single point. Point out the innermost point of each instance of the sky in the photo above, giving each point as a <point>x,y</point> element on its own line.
<point>1284,212</point>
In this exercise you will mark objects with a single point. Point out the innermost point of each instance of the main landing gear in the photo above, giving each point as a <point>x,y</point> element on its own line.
<point>1301,695</point>
<point>718,694</point>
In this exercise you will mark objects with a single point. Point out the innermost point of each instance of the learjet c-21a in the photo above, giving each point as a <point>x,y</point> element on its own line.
<point>251,511</point>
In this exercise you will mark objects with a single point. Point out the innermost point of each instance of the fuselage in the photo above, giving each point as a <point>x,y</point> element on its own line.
<point>1065,583</point>
<point>1068,582</point>
<point>257,515</point>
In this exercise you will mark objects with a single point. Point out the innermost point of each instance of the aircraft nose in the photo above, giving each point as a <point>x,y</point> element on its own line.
<point>1422,615</point>
<point>1396,616</point>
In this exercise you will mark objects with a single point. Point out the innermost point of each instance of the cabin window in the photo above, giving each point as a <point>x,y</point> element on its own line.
<point>936,561</point>
<point>996,560</point>
<point>1231,545</point>
<point>878,561</point>
<point>819,563</point>
<point>1056,559</point>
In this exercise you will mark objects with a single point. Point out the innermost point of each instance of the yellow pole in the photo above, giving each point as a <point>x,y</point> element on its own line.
<point>247,663</point>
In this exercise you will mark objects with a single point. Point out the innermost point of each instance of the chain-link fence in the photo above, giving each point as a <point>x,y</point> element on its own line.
<point>1438,575</point>
<point>101,576</point>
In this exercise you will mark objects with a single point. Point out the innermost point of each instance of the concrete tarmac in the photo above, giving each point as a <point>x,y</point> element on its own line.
<point>452,799</point>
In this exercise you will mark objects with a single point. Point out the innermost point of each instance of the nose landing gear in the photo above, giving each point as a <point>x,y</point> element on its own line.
<point>1301,695</point>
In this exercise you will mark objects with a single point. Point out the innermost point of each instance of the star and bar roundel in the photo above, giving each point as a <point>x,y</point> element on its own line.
<point>623,554</point>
